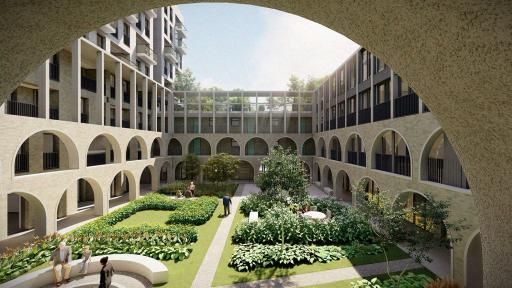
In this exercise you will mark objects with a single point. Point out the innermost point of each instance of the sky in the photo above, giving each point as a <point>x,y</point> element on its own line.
<point>253,48</point>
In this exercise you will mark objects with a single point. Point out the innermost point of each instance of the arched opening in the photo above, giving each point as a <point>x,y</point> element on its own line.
<point>245,171</point>
<point>440,164</point>
<point>370,187</point>
<point>474,263</point>
<point>25,212</point>
<point>316,174</point>
<point>45,151</point>
<point>308,171</point>
<point>327,181</point>
<point>146,180</point>
<point>441,257</point>
<point>229,146</point>
<point>164,173</point>
<point>135,150</point>
<point>335,149</point>
<point>343,191</point>
<point>321,148</point>
<point>256,147</point>
<point>103,150</point>
<point>120,189</point>
<point>288,143</point>
<point>355,151</point>
<point>309,148</point>
<point>180,172</point>
<point>155,148</point>
<point>199,146</point>
<point>391,153</point>
<point>174,148</point>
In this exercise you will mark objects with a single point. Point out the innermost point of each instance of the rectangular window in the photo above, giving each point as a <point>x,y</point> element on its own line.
<point>235,122</point>
<point>365,65</point>
<point>146,28</point>
<point>116,33</point>
<point>351,105</point>
<point>382,93</point>
<point>126,34</point>
<point>364,99</point>
<point>379,65</point>
<point>100,41</point>
<point>341,109</point>
<point>403,87</point>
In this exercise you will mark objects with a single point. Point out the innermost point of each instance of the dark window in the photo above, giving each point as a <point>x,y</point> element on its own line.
<point>115,34</point>
<point>365,65</point>
<point>100,41</point>
<point>126,34</point>
<point>146,28</point>
<point>382,93</point>
<point>379,65</point>
<point>235,122</point>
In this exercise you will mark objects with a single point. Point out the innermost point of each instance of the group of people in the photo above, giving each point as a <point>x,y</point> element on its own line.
<point>61,261</point>
<point>191,189</point>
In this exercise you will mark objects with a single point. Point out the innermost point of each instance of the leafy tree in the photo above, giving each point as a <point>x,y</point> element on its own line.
<point>295,83</point>
<point>212,88</point>
<point>186,81</point>
<point>283,171</point>
<point>220,167</point>
<point>391,226</point>
<point>192,166</point>
<point>314,82</point>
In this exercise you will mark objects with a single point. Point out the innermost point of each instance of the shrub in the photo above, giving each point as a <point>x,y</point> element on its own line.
<point>408,280</point>
<point>218,190</point>
<point>192,166</point>
<point>248,257</point>
<point>194,212</point>
<point>172,188</point>
<point>261,203</point>
<point>220,167</point>
<point>280,224</point>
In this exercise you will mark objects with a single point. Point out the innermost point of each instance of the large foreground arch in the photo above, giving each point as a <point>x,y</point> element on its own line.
<point>465,46</point>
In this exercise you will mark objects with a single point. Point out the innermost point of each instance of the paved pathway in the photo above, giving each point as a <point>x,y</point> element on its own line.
<point>204,277</point>
<point>328,276</point>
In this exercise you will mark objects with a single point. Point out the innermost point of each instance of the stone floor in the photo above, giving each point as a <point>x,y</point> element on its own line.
<point>120,280</point>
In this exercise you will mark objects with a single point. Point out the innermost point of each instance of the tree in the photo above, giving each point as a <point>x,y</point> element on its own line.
<point>220,167</point>
<point>391,226</point>
<point>314,82</point>
<point>212,89</point>
<point>295,83</point>
<point>192,166</point>
<point>283,170</point>
<point>186,81</point>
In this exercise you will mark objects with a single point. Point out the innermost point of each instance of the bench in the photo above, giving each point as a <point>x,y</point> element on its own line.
<point>253,216</point>
<point>153,270</point>
<point>329,191</point>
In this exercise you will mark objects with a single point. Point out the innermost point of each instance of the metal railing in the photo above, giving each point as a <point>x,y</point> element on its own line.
<point>397,164</point>
<point>21,109</point>
<point>446,172</point>
<point>89,84</point>
<point>351,119</point>
<point>54,113</point>
<point>96,159</point>
<point>406,105</point>
<point>126,124</point>
<point>365,116</point>
<point>21,163</point>
<point>382,111</point>
<point>356,158</point>
<point>50,160</point>
<point>341,122</point>
<point>84,118</point>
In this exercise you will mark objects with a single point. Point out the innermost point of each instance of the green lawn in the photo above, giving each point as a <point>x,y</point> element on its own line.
<point>149,217</point>
<point>226,275</point>
<point>346,283</point>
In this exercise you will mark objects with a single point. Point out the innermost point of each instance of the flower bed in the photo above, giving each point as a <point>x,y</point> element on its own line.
<point>194,212</point>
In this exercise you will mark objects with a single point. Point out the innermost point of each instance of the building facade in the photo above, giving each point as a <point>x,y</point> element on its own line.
<point>100,125</point>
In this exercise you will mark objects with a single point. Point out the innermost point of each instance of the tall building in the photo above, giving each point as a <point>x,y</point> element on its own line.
<point>101,125</point>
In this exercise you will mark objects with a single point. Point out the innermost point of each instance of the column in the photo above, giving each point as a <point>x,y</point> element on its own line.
<point>3,216</point>
<point>170,115</point>
<point>145,103</point>
<point>72,199</point>
<point>43,100</point>
<point>392,94</point>
<point>98,105</point>
<point>372,90</point>
<point>162,113</point>
<point>35,153</point>
<point>133,99</point>
<point>76,78</point>
<point>154,109</point>
<point>119,94</point>
<point>357,87</point>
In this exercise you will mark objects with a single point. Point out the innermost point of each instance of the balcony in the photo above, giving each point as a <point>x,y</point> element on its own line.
<point>112,92</point>
<point>21,163</point>
<point>84,118</point>
<point>96,159</point>
<point>108,28</point>
<point>341,122</point>
<point>365,116</point>
<point>180,29</point>
<point>89,84</point>
<point>452,175</point>
<point>50,160</point>
<point>382,111</point>
<point>126,97</point>
<point>406,105</point>
<point>170,53</point>
<point>54,72</point>
<point>126,124</point>
<point>332,124</point>
<point>21,109</point>
<point>54,113</point>
<point>112,122</point>
<point>398,164</point>
<point>351,119</point>
<point>356,158</point>
<point>132,19</point>
<point>146,54</point>
<point>182,48</point>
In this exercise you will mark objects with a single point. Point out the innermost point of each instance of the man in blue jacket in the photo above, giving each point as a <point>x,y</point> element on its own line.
<point>227,203</point>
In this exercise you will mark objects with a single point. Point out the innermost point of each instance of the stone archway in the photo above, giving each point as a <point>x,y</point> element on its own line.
<point>343,190</point>
<point>473,262</point>
<point>432,33</point>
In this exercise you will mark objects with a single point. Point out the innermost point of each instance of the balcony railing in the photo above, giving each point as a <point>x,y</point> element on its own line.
<point>365,116</point>
<point>335,155</point>
<point>351,119</point>
<point>402,164</point>
<point>126,124</point>
<point>50,160</point>
<point>139,126</point>
<point>21,109</point>
<point>382,111</point>
<point>54,72</point>
<point>356,158</point>
<point>332,124</point>
<point>446,172</point>
<point>54,113</point>
<point>21,163</point>
<point>84,118</point>
<point>88,84</point>
<point>341,122</point>
<point>384,162</point>
<point>146,53</point>
<point>406,105</point>
<point>126,97</point>
<point>112,122</point>
<point>96,159</point>
<point>113,92</point>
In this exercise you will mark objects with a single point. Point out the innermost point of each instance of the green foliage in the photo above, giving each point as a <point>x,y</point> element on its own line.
<point>283,171</point>
<point>220,167</point>
<point>248,257</point>
<point>281,225</point>
<point>408,280</point>
<point>261,203</point>
<point>213,189</point>
<point>297,84</point>
<point>192,166</point>
<point>194,212</point>
<point>185,81</point>
<point>172,188</point>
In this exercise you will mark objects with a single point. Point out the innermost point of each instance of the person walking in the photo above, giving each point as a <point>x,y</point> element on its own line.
<point>60,260</point>
<point>226,200</point>
<point>86,259</point>
<point>106,273</point>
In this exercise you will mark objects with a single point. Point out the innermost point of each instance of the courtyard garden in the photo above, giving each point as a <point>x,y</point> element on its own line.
<point>282,241</point>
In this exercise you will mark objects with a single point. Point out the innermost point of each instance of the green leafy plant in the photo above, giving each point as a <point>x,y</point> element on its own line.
<point>220,167</point>
<point>194,212</point>
<point>172,188</point>
<point>192,166</point>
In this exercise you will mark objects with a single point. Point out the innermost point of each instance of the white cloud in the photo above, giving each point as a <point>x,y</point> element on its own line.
<point>295,45</point>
